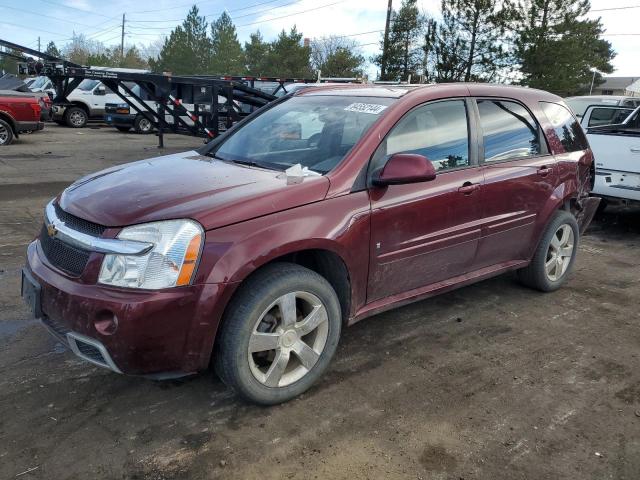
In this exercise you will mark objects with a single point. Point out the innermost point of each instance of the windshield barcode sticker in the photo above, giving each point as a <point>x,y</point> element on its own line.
<point>371,108</point>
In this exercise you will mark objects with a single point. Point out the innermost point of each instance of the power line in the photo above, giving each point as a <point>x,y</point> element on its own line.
<point>89,12</point>
<point>614,8</point>
<point>44,15</point>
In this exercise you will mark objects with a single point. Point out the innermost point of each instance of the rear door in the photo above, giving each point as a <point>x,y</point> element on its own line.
<point>424,233</point>
<point>520,176</point>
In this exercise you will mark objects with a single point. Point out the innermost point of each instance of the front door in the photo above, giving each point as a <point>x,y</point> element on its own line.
<point>424,233</point>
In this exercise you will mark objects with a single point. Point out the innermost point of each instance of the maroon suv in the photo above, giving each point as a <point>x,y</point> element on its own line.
<point>324,208</point>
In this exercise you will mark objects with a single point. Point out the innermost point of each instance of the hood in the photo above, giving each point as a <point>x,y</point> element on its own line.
<point>186,185</point>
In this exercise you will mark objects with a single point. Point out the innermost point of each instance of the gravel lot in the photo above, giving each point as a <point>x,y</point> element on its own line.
<point>491,381</point>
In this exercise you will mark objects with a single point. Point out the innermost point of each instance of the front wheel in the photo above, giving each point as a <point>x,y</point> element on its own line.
<point>555,255</point>
<point>279,334</point>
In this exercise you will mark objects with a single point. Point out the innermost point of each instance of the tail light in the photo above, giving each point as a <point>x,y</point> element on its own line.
<point>36,109</point>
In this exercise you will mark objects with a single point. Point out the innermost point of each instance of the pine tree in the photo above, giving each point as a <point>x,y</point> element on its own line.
<point>288,56</point>
<point>257,55</point>
<point>187,51</point>
<point>557,47</point>
<point>471,40</point>
<point>403,54</point>
<point>52,50</point>
<point>227,56</point>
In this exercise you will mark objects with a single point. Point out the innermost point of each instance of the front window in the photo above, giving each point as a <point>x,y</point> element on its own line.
<point>316,132</point>
<point>87,85</point>
<point>438,131</point>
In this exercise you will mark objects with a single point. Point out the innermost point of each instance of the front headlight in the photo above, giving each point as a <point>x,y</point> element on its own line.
<point>170,263</point>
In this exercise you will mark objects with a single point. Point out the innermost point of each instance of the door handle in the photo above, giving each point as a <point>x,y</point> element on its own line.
<point>468,188</point>
<point>544,171</point>
<point>635,149</point>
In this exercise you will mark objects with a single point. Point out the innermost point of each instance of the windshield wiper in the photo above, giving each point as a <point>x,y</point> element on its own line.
<point>248,163</point>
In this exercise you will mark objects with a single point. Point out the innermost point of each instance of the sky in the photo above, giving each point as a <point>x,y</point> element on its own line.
<point>362,20</point>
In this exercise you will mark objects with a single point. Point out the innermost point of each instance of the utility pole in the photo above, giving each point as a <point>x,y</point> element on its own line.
<point>385,48</point>
<point>122,42</point>
<point>38,43</point>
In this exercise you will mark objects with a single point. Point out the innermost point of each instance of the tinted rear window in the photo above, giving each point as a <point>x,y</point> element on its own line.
<point>567,129</point>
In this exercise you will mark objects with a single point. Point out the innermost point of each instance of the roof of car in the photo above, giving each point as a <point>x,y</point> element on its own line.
<point>397,91</point>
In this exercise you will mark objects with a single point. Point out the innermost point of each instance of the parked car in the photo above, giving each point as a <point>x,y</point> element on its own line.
<point>322,209</point>
<point>580,104</point>
<point>87,101</point>
<point>123,117</point>
<point>596,115</point>
<point>18,114</point>
<point>42,98</point>
<point>616,149</point>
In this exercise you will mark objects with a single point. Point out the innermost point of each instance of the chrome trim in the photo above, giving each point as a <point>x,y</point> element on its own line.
<point>73,337</point>
<point>58,229</point>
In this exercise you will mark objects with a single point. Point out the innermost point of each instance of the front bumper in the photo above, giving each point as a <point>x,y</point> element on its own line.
<point>164,333</point>
<point>119,119</point>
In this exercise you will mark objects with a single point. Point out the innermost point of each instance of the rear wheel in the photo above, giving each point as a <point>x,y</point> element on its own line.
<point>553,259</point>
<point>76,117</point>
<point>279,334</point>
<point>142,125</point>
<point>6,133</point>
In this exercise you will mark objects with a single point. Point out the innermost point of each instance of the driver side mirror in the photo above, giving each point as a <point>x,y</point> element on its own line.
<point>404,168</point>
<point>100,90</point>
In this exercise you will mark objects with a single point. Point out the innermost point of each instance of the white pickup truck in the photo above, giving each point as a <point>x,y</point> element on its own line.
<point>616,149</point>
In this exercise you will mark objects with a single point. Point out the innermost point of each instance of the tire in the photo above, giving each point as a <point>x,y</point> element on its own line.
<point>6,133</point>
<point>142,125</point>
<point>76,117</point>
<point>123,129</point>
<point>545,272</point>
<point>255,314</point>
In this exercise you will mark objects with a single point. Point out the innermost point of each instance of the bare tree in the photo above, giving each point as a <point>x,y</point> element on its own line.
<point>336,56</point>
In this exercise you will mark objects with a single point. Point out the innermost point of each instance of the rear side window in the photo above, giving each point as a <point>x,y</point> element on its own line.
<point>439,131</point>
<point>509,131</point>
<point>567,129</point>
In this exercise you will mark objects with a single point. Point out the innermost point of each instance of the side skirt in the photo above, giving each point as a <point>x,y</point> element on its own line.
<point>422,293</point>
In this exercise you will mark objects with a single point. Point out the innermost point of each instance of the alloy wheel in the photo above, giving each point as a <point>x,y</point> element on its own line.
<point>559,253</point>
<point>288,339</point>
<point>144,125</point>
<point>4,135</point>
<point>77,118</point>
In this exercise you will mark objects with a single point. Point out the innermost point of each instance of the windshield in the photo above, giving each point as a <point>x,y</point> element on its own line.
<point>88,85</point>
<point>314,131</point>
<point>39,82</point>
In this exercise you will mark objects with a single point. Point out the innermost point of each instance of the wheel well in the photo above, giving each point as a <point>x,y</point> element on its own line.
<point>328,265</point>
<point>9,120</point>
<point>82,106</point>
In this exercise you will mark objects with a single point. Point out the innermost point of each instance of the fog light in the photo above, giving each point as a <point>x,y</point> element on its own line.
<point>106,322</point>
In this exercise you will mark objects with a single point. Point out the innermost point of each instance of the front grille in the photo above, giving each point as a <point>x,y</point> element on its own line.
<point>79,224</point>
<point>67,258</point>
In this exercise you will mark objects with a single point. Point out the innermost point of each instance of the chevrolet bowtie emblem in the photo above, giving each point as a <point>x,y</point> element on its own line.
<point>52,230</point>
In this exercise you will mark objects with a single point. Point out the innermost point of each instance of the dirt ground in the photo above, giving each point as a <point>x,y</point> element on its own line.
<point>492,381</point>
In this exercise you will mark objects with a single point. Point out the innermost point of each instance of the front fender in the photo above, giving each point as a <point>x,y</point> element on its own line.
<point>339,225</point>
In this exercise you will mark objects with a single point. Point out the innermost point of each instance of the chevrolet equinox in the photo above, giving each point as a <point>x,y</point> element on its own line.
<point>323,208</point>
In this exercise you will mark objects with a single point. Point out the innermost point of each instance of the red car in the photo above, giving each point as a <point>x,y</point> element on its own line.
<point>18,114</point>
<point>322,209</point>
